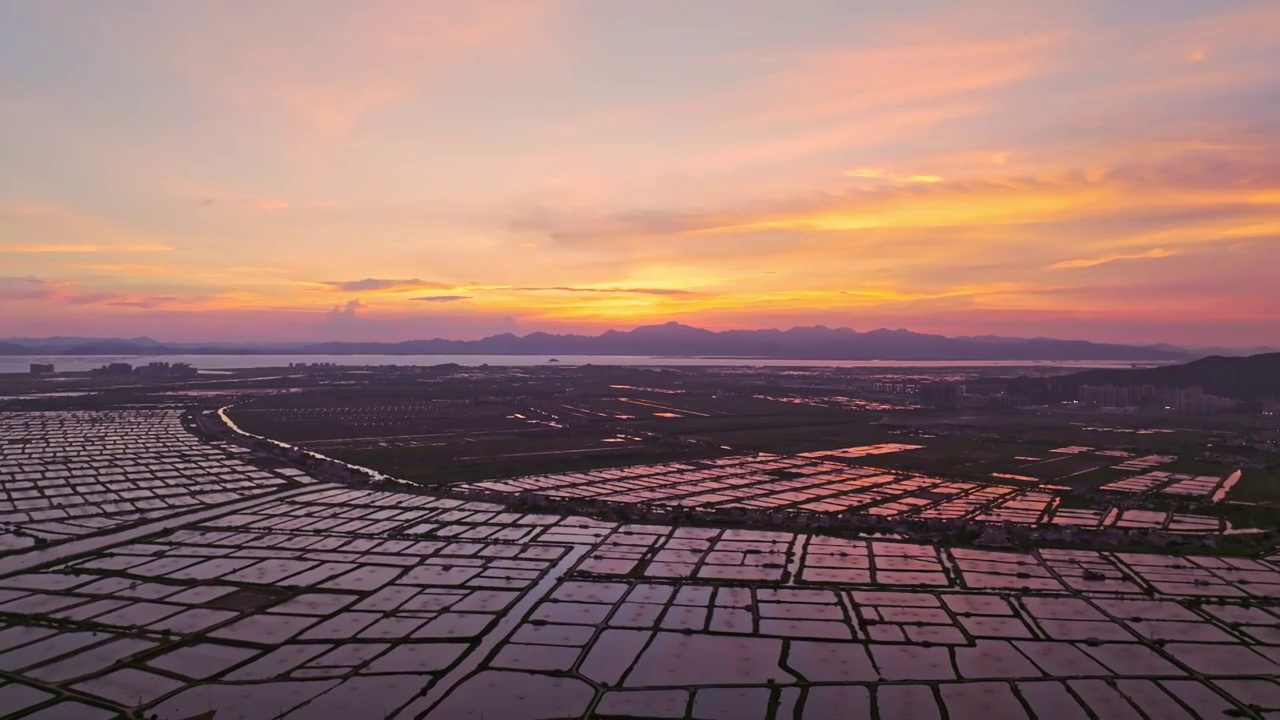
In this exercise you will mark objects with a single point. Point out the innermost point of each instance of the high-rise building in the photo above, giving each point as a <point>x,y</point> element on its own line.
<point>939,394</point>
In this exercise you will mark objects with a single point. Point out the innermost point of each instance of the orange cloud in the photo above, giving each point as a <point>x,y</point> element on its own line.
<point>379,285</point>
<point>1152,254</point>
<point>334,75</point>
<point>83,248</point>
<point>132,269</point>
<point>46,229</point>
<point>915,72</point>
<point>801,140</point>
<point>29,210</point>
<point>990,204</point>
<point>882,174</point>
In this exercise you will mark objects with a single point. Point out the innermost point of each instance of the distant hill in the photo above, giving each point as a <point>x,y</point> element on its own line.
<point>670,339</point>
<point>1242,378</point>
<point>1207,351</point>
<point>59,345</point>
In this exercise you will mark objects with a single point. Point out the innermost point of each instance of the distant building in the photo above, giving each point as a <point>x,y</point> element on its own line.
<point>41,368</point>
<point>150,371</point>
<point>1113,396</point>
<point>1183,400</point>
<point>1008,400</point>
<point>895,388</point>
<point>164,371</point>
<point>114,370</point>
<point>1195,400</point>
<point>940,394</point>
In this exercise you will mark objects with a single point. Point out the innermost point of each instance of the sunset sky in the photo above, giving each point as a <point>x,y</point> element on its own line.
<point>260,170</point>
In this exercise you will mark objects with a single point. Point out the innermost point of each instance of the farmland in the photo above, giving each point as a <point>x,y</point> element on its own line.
<point>152,573</point>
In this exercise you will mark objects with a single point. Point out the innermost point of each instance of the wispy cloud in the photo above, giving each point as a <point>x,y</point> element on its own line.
<point>61,249</point>
<point>442,298</point>
<point>154,302</point>
<point>379,284</point>
<point>882,174</point>
<point>359,61</point>
<point>30,210</point>
<point>608,290</point>
<point>347,310</point>
<point>1152,254</point>
<point>24,288</point>
<point>132,269</point>
<point>98,297</point>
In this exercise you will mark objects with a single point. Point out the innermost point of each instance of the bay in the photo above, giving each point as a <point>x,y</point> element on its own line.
<point>82,363</point>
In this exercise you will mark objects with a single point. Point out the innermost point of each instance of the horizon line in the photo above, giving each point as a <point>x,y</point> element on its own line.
<point>672,323</point>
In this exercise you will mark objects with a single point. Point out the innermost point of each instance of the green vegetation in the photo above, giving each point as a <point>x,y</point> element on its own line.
<point>1258,486</point>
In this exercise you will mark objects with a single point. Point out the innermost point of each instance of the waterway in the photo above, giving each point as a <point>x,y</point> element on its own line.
<point>81,363</point>
<point>1231,481</point>
<point>371,474</point>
